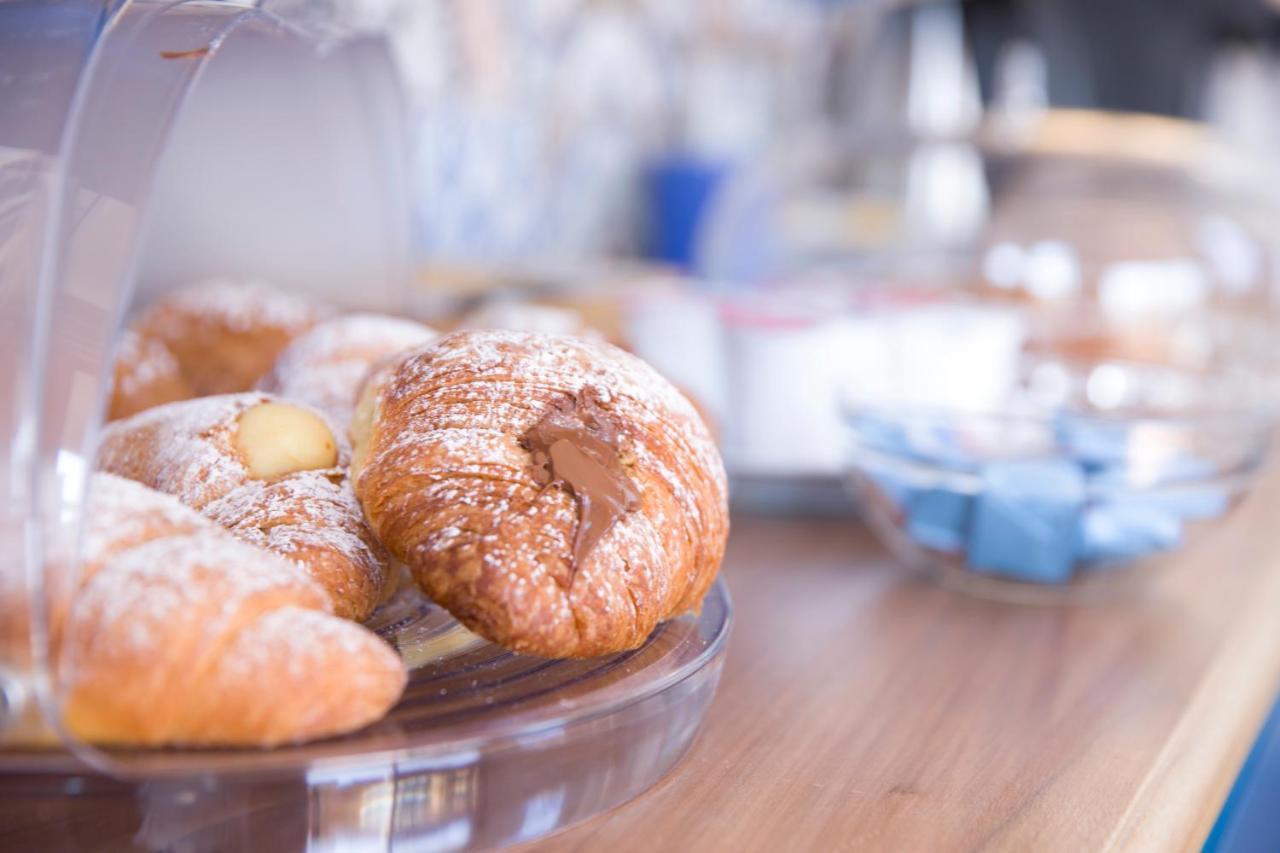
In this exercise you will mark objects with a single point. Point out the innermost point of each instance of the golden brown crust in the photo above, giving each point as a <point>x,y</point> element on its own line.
<point>15,627</point>
<point>187,450</point>
<point>180,634</point>
<point>226,335</point>
<point>145,375</point>
<point>446,482</point>
<point>324,366</point>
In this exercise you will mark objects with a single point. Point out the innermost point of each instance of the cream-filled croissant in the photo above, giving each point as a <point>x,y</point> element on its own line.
<point>556,495</point>
<point>269,471</point>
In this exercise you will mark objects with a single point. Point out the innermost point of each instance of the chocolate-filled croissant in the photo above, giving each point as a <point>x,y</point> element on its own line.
<point>556,495</point>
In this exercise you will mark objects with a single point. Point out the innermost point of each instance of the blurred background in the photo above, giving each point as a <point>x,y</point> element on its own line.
<point>896,252</point>
<point>579,101</point>
<point>722,186</point>
<point>777,202</point>
<point>999,277</point>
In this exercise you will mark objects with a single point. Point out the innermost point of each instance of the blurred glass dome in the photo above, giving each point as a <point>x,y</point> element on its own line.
<point>1139,213</point>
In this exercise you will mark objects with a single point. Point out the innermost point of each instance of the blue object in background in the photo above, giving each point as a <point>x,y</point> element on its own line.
<point>934,444</point>
<point>881,434</point>
<point>1096,444</point>
<point>1249,820</point>
<point>940,445</point>
<point>892,488</point>
<point>1190,504</point>
<point>936,518</point>
<point>1125,530</point>
<point>1030,519</point>
<point>1179,490</point>
<point>1026,520</point>
<point>1198,502</point>
<point>680,189</point>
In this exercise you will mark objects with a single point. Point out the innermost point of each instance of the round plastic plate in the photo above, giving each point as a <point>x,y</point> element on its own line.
<point>486,748</point>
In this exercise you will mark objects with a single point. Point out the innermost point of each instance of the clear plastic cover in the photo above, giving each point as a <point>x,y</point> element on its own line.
<point>149,145</point>
<point>80,208</point>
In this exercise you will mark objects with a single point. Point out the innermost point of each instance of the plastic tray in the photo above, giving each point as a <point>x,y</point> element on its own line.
<point>486,748</point>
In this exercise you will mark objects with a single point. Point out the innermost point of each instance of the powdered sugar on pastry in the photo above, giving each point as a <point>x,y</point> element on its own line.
<point>145,588</point>
<point>343,670</point>
<point>225,334</point>
<point>243,306</point>
<point>188,450</point>
<point>354,336</point>
<point>294,635</point>
<point>311,517</point>
<point>183,449</point>
<point>325,366</point>
<point>145,361</point>
<point>146,373</point>
<point>448,483</point>
<point>498,385</point>
<point>123,513</point>
<point>185,635</point>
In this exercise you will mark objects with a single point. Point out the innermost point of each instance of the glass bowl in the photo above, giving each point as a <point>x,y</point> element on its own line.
<point>1023,451</point>
<point>1053,333</point>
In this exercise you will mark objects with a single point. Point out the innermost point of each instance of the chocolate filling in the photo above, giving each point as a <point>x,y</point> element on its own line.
<point>575,445</point>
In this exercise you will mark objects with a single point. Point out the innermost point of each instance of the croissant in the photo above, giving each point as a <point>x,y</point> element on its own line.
<point>268,471</point>
<point>524,316</point>
<point>180,634</point>
<point>324,367</point>
<point>146,375</point>
<point>225,335</point>
<point>556,495</point>
<point>20,720</point>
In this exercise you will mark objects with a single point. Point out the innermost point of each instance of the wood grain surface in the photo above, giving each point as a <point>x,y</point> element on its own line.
<point>861,709</point>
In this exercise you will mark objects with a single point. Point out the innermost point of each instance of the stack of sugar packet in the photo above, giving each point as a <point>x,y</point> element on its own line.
<point>1039,519</point>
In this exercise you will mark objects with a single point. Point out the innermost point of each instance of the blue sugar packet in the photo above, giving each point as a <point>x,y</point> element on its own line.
<point>1096,444</point>
<point>880,433</point>
<point>936,518</point>
<point>938,444</point>
<point>1190,496</point>
<point>892,487</point>
<point>1178,489</point>
<point>1124,531</point>
<point>917,439</point>
<point>1026,519</point>
<point>1192,503</point>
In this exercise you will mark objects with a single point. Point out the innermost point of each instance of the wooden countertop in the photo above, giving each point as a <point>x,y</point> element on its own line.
<point>863,710</point>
